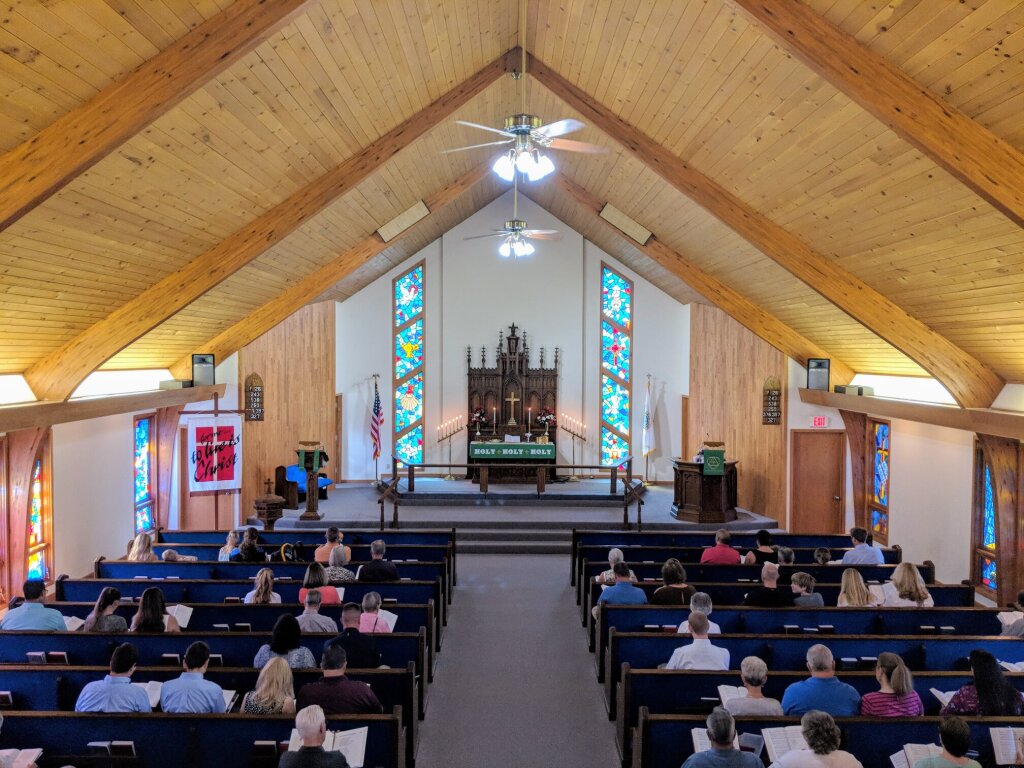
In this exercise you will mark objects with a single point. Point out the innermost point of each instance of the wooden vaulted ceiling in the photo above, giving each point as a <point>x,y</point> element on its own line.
<point>706,82</point>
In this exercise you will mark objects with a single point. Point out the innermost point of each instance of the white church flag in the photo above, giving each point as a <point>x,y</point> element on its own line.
<point>647,442</point>
<point>214,455</point>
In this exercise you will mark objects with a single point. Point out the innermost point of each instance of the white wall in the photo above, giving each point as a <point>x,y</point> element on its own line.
<point>471,294</point>
<point>1011,398</point>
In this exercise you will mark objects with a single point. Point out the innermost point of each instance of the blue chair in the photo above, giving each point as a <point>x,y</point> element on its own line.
<point>290,484</point>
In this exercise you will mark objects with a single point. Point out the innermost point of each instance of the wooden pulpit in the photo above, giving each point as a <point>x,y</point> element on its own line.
<point>703,498</point>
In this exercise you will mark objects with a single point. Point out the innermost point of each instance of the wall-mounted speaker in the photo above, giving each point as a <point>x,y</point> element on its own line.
<point>817,373</point>
<point>203,370</point>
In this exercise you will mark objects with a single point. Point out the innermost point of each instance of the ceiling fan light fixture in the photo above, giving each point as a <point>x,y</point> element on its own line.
<point>504,167</point>
<point>505,249</point>
<point>542,166</point>
<point>522,248</point>
<point>526,164</point>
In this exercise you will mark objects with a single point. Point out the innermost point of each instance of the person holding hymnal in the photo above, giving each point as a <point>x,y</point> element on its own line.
<point>312,727</point>
<point>723,753</point>
<point>823,737</point>
<point>749,701</point>
<point>990,694</point>
<point>955,737</point>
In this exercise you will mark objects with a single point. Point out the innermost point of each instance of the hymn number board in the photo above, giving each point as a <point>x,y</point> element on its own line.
<point>771,410</point>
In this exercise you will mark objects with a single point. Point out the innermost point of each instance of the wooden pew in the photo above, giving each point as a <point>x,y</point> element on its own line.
<point>225,741</point>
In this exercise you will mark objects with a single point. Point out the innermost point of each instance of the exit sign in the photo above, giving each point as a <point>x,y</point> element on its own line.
<point>819,422</point>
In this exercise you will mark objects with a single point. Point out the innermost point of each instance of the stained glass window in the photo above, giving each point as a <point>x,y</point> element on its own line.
<point>616,364</point>
<point>39,561</point>
<point>879,523</point>
<point>881,482</point>
<point>878,455</point>
<point>987,569</point>
<point>145,501</point>
<point>988,538</point>
<point>408,375</point>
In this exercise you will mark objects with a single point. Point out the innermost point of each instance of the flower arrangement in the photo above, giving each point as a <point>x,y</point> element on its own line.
<point>546,417</point>
<point>478,417</point>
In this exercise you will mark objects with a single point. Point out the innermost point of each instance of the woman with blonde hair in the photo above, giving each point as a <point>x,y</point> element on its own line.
<point>230,545</point>
<point>274,693</point>
<point>906,589</point>
<point>142,549</point>
<point>264,589</point>
<point>853,593</point>
<point>316,578</point>
<point>896,696</point>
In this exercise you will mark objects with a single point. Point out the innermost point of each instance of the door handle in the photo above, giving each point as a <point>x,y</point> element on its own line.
<point>835,498</point>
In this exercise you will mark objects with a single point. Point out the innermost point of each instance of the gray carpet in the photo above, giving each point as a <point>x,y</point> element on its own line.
<point>515,684</point>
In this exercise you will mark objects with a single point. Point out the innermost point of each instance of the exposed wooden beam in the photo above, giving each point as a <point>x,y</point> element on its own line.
<point>167,418</point>
<point>970,382</point>
<point>48,413</point>
<point>990,166</point>
<point>56,376</point>
<point>72,144</point>
<point>284,304</point>
<point>741,309</point>
<point>1003,458</point>
<point>856,425</point>
<point>981,420</point>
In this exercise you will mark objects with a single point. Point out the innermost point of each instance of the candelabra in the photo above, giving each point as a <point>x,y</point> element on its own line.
<point>577,431</point>
<point>445,433</point>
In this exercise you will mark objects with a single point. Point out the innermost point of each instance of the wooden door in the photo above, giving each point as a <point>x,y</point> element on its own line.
<point>817,481</point>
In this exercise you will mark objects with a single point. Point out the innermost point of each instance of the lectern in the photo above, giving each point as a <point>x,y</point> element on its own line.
<point>312,457</point>
<point>700,497</point>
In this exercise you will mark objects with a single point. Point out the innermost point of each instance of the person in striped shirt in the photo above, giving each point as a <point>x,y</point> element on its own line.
<point>896,697</point>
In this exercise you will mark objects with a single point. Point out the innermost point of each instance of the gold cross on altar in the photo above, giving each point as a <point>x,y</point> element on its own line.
<point>512,400</point>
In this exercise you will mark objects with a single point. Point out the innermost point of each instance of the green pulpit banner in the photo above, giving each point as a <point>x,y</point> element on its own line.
<point>512,451</point>
<point>714,461</point>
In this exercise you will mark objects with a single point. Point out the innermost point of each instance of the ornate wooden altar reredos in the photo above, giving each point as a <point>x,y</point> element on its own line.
<point>511,395</point>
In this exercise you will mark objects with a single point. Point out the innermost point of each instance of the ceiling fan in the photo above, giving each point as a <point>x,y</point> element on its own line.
<point>515,233</point>
<point>527,134</point>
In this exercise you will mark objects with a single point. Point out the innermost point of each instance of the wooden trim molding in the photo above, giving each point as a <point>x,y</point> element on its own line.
<point>167,419</point>
<point>985,163</point>
<point>970,382</point>
<point>36,169</point>
<point>23,447</point>
<point>856,425</point>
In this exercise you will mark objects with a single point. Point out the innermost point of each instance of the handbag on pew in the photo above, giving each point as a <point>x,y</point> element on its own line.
<point>287,554</point>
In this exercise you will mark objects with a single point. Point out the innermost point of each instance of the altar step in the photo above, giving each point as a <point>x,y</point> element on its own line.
<point>519,541</point>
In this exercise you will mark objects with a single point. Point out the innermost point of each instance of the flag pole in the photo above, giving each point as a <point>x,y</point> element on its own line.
<point>376,473</point>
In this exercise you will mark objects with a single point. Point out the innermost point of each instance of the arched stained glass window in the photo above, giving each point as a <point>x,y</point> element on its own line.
<point>985,551</point>
<point>616,364</point>
<point>145,469</point>
<point>408,376</point>
<point>878,492</point>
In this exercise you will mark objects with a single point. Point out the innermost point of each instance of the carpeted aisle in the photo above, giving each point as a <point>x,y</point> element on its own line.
<point>515,684</point>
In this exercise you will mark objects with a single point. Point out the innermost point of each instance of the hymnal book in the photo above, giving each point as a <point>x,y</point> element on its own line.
<point>241,626</point>
<point>230,699</point>
<point>170,659</point>
<point>182,613</point>
<point>73,623</point>
<point>352,744</point>
<point>265,748</point>
<point>1008,745</point>
<point>911,754</point>
<point>412,560</point>
<point>1009,618</point>
<point>141,578</point>
<point>701,741</point>
<point>47,657</point>
<point>6,699</point>
<point>221,627</point>
<point>341,594</point>
<point>782,740</point>
<point>942,696</point>
<point>1012,666</point>
<point>388,618</point>
<point>113,748</point>
<point>751,742</point>
<point>730,692</point>
<point>393,600</point>
<point>232,600</point>
<point>36,657</point>
<point>152,689</point>
<point>216,659</point>
<point>827,629</point>
<point>19,758</point>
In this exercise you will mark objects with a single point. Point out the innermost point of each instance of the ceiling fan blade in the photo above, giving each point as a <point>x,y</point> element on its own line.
<point>486,128</point>
<point>577,146</point>
<point>542,234</point>
<point>475,146</point>
<point>560,128</point>
<point>496,234</point>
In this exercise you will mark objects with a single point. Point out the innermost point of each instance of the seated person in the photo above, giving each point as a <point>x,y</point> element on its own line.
<point>102,617</point>
<point>336,572</point>
<point>152,615</point>
<point>955,738</point>
<point>853,592</point>
<point>370,622</point>
<point>989,694</point>
<point>906,589</point>
<point>230,545</point>
<point>334,537</point>
<point>274,693</point>
<point>316,578</point>
<point>285,642</point>
<point>769,595</point>
<point>360,649</point>
<point>701,601</point>
<point>722,734</point>
<point>190,693</point>
<point>172,556</point>
<point>32,614</point>
<point>823,738</point>
<point>249,550</point>
<point>786,559</point>
<point>115,692</point>
<point>378,569</point>
<point>699,654</point>
<point>311,620</point>
<point>608,577</point>
<point>862,552</point>
<point>1015,628</point>
<point>896,696</point>
<point>754,674</point>
<point>763,553</point>
<point>822,690</point>
<point>312,728</point>
<point>142,549</point>
<point>822,556</point>
<point>335,693</point>
<point>676,591</point>
<point>722,553</point>
<point>622,592</point>
<point>264,593</point>
<point>804,596</point>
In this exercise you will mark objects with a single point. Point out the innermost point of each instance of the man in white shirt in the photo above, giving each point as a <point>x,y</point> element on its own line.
<point>700,654</point>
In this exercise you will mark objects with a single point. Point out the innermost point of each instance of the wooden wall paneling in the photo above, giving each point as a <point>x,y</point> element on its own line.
<point>166,435</point>
<point>339,441</point>
<point>5,565</point>
<point>1003,456</point>
<point>970,382</point>
<point>296,362</point>
<point>684,420</point>
<point>23,447</point>
<point>728,365</point>
<point>856,425</point>
<point>34,170</point>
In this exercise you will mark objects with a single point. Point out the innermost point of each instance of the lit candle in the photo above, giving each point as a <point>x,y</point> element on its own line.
<point>494,416</point>
<point>529,418</point>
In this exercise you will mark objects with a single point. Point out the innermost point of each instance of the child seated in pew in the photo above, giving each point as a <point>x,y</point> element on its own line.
<point>275,690</point>
<point>230,544</point>
<point>102,617</point>
<point>804,595</point>
<point>754,674</point>
<point>906,589</point>
<point>701,601</point>
<point>955,738</point>
<point>853,592</point>
<point>822,556</point>
<point>171,556</point>
<point>263,593</point>
<point>152,614</point>
<point>142,550</point>
<point>896,696</point>
<point>286,643</point>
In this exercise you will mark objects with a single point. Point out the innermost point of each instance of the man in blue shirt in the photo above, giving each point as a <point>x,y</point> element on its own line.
<point>190,693</point>
<point>32,614</point>
<point>622,592</point>
<point>115,692</point>
<point>822,690</point>
<point>862,552</point>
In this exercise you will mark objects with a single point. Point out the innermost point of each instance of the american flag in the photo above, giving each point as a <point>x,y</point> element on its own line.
<point>376,420</point>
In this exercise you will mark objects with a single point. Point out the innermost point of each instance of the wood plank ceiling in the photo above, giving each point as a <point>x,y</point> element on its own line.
<point>696,76</point>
